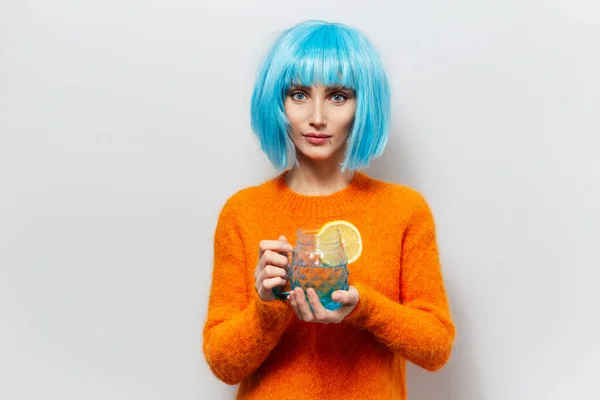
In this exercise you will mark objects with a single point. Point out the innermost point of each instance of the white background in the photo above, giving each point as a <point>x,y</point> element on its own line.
<point>124,127</point>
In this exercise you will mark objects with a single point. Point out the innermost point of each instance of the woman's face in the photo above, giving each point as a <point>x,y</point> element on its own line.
<point>320,119</point>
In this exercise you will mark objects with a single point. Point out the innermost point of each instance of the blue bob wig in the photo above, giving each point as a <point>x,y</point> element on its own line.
<point>331,54</point>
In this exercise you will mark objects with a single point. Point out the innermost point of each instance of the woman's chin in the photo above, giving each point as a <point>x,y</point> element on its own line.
<point>318,156</point>
<point>319,153</point>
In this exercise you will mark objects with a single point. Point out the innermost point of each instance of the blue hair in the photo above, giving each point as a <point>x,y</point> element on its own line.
<point>318,52</point>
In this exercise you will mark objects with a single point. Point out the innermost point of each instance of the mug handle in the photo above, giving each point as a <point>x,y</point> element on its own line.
<point>277,291</point>
<point>279,295</point>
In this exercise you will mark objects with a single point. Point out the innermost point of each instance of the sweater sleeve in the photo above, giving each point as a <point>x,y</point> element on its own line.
<point>419,327</point>
<point>241,329</point>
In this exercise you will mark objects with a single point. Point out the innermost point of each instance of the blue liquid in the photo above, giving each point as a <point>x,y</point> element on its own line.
<point>324,279</point>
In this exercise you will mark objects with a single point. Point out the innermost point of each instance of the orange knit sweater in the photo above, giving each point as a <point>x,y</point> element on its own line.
<point>403,312</point>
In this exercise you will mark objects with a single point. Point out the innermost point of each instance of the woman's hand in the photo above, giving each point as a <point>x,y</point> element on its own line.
<point>348,298</point>
<point>271,270</point>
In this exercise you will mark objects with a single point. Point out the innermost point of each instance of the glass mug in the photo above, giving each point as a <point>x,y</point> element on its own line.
<point>318,264</point>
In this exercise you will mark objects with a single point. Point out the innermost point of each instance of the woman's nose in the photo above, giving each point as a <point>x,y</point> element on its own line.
<point>317,118</point>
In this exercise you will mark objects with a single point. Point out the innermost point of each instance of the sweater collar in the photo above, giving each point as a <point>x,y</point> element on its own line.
<point>357,194</point>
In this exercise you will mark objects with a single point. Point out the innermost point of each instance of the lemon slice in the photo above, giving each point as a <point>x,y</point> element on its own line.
<point>350,239</point>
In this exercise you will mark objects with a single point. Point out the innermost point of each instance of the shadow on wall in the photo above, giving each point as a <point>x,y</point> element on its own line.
<point>395,163</point>
<point>459,379</point>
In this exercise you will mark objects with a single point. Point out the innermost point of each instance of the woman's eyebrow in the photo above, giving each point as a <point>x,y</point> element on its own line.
<point>296,87</point>
<point>338,87</point>
<point>328,88</point>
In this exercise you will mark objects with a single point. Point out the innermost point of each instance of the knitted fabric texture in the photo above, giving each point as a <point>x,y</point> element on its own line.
<point>403,311</point>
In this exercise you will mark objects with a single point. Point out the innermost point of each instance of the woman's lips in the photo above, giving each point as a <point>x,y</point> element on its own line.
<point>317,138</point>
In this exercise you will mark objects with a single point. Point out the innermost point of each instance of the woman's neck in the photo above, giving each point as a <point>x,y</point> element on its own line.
<point>312,179</point>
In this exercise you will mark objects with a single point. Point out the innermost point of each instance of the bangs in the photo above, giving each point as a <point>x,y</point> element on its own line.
<point>322,58</point>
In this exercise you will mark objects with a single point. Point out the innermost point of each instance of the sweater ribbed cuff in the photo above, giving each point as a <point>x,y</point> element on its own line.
<point>361,311</point>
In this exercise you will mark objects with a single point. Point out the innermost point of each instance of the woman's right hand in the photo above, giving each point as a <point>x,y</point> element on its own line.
<point>271,270</point>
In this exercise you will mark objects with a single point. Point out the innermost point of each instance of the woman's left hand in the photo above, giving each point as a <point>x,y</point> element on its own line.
<point>348,298</point>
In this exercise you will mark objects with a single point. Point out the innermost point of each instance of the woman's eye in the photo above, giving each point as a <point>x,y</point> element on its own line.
<point>298,96</point>
<point>338,98</point>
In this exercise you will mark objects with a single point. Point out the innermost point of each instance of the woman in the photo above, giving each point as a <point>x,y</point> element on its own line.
<point>322,102</point>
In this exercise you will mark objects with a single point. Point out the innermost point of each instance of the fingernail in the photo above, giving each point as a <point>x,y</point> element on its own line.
<point>289,247</point>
